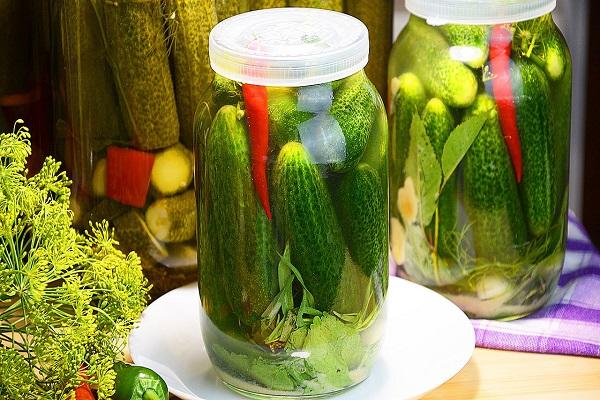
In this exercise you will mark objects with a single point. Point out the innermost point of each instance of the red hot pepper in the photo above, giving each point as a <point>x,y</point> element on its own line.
<point>84,392</point>
<point>500,49</point>
<point>257,116</point>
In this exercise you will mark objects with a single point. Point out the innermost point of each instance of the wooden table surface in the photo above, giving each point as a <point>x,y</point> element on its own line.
<point>494,374</point>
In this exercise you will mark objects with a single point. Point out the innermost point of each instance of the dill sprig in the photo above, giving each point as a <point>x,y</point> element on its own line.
<point>68,300</point>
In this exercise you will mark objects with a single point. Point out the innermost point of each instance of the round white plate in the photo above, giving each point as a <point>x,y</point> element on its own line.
<point>427,341</point>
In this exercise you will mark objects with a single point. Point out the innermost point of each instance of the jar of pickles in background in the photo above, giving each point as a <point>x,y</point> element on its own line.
<point>480,101</point>
<point>292,204</point>
<point>127,78</point>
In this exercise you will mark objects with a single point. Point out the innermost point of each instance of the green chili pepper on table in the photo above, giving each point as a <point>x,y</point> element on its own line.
<point>138,383</point>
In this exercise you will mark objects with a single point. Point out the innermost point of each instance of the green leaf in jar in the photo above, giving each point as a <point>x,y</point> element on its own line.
<point>424,169</point>
<point>459,142</point>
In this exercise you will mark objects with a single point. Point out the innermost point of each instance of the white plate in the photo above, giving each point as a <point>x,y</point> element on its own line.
<point>427,341</point>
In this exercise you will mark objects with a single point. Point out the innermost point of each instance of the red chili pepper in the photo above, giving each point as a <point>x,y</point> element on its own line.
<point>128,175</point>
<point>500,48</point>
<point>257,116</point>
<point>84,392</point>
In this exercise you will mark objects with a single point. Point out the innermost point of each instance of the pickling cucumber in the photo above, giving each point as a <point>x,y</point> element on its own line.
<point>439,123</point>
<point>173,170</point>
<point>472,41</point>
<point>532,102</point>
<point>138,52</point>
<point>363,216</point>
<point>238,229</point>
<point>173,219</point>
<point>191,21</point>
<point>409,99</point>
<point>426,52</point>
<point>225,91</point>
<point>284,117</point>
<point>308,222</point>
<point>355,109</point>
<point>491,196</point>
<point>133,233</point>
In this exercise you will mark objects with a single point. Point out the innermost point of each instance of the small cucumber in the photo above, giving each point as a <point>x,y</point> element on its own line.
<point>409,100</point>
<point>355,109</point>
<point>240,235</point>
<point>284,117</point>
<point>471,41</point>
<point>490,191</point>
<point>426,52</point>
<point>192,21</point>
<point>173,219</point>
<point>225,91</point>
<point>133,234</point>
<point>173,170</point>
<point>439,123</point>
<point>532,101</point>
<point>307,218</point>
<point>561,103</point>
<point>363,215</point>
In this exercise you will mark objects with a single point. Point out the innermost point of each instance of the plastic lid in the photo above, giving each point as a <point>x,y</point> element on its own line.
<point>484,12</point>
<point>289,47</point>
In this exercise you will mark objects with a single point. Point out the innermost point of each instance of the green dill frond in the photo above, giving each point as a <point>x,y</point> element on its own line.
<point>67,301</point>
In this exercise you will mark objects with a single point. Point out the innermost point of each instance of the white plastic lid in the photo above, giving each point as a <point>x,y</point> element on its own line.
<point>480,12</point>
<point>289,47</point>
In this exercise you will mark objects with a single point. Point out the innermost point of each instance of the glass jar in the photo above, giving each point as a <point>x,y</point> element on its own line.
<point>128,76</point>
<point>480,99</point>
<point>292,204</point>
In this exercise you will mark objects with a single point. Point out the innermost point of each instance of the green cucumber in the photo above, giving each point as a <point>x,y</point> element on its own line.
<point>138,53</point>
<point>439,123</point>
<point>133,234</point>
<point>560,94</point>
<point>409,100</point>
<point>532,102</point>
<point>225,91</point>
<point>192,21</point>
<point>229,8</point>
<point>173,219</point>
<point>472,41</point>
<point>491,196</point>
<point>306,215</point>
<point>264,4</point>
<point>426,52</point>
<point>239,230</point>
<point>355,109</point>
<point>363,215</point>
<point>284,117</point>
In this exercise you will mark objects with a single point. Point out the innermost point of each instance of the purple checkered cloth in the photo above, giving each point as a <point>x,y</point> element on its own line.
<point>570,322</point>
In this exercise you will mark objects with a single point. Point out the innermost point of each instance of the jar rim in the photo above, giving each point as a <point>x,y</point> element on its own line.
<point>479,12</point>
<point>289,47</point>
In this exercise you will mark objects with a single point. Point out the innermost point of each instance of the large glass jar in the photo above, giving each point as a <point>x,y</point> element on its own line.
<point>128,77</point>
<point>480,99</point>
<point>292,204</point>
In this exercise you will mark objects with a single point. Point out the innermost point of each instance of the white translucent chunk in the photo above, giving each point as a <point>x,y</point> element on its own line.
<point>316,98</point>
<point>323,138</point>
